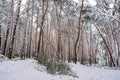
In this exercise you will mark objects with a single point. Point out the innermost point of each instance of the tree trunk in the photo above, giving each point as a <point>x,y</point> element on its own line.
<point>110,54</point>
<point>14,30</point>
<point>41,34</point>
<point>78,35</point>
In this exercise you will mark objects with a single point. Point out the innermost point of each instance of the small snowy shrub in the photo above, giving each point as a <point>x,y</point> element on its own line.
<point>57,68</point>
<point>52,66</point>
<point>41,59</point>
<point>15,55</point>
<point>62,68</point>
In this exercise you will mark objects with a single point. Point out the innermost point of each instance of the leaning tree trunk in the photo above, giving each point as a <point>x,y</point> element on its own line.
<point>110,54</point>
<point>41,34</point>
<point>14,30</point>
<point>8,27</point>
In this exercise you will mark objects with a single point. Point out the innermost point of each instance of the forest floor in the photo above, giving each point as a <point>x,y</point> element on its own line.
<point>30,70</point>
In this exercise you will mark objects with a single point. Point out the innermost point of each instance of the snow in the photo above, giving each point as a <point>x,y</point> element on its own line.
<point>95,73</point>
<point>111,5</point>
<point>76,1</point>
<point>30,70</point>
<point>2,58</point>
<point>92,2</point>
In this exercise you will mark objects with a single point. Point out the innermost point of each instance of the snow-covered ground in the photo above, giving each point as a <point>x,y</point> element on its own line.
<point>30,70</point>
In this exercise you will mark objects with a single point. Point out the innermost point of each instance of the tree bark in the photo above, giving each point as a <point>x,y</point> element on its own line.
<point>78,35</point>
<point>14,30</point>
<point>111,59</point>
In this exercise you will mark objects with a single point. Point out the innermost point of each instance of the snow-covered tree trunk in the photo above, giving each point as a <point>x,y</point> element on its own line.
<point>78,35</point>
<point>10,50</point>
